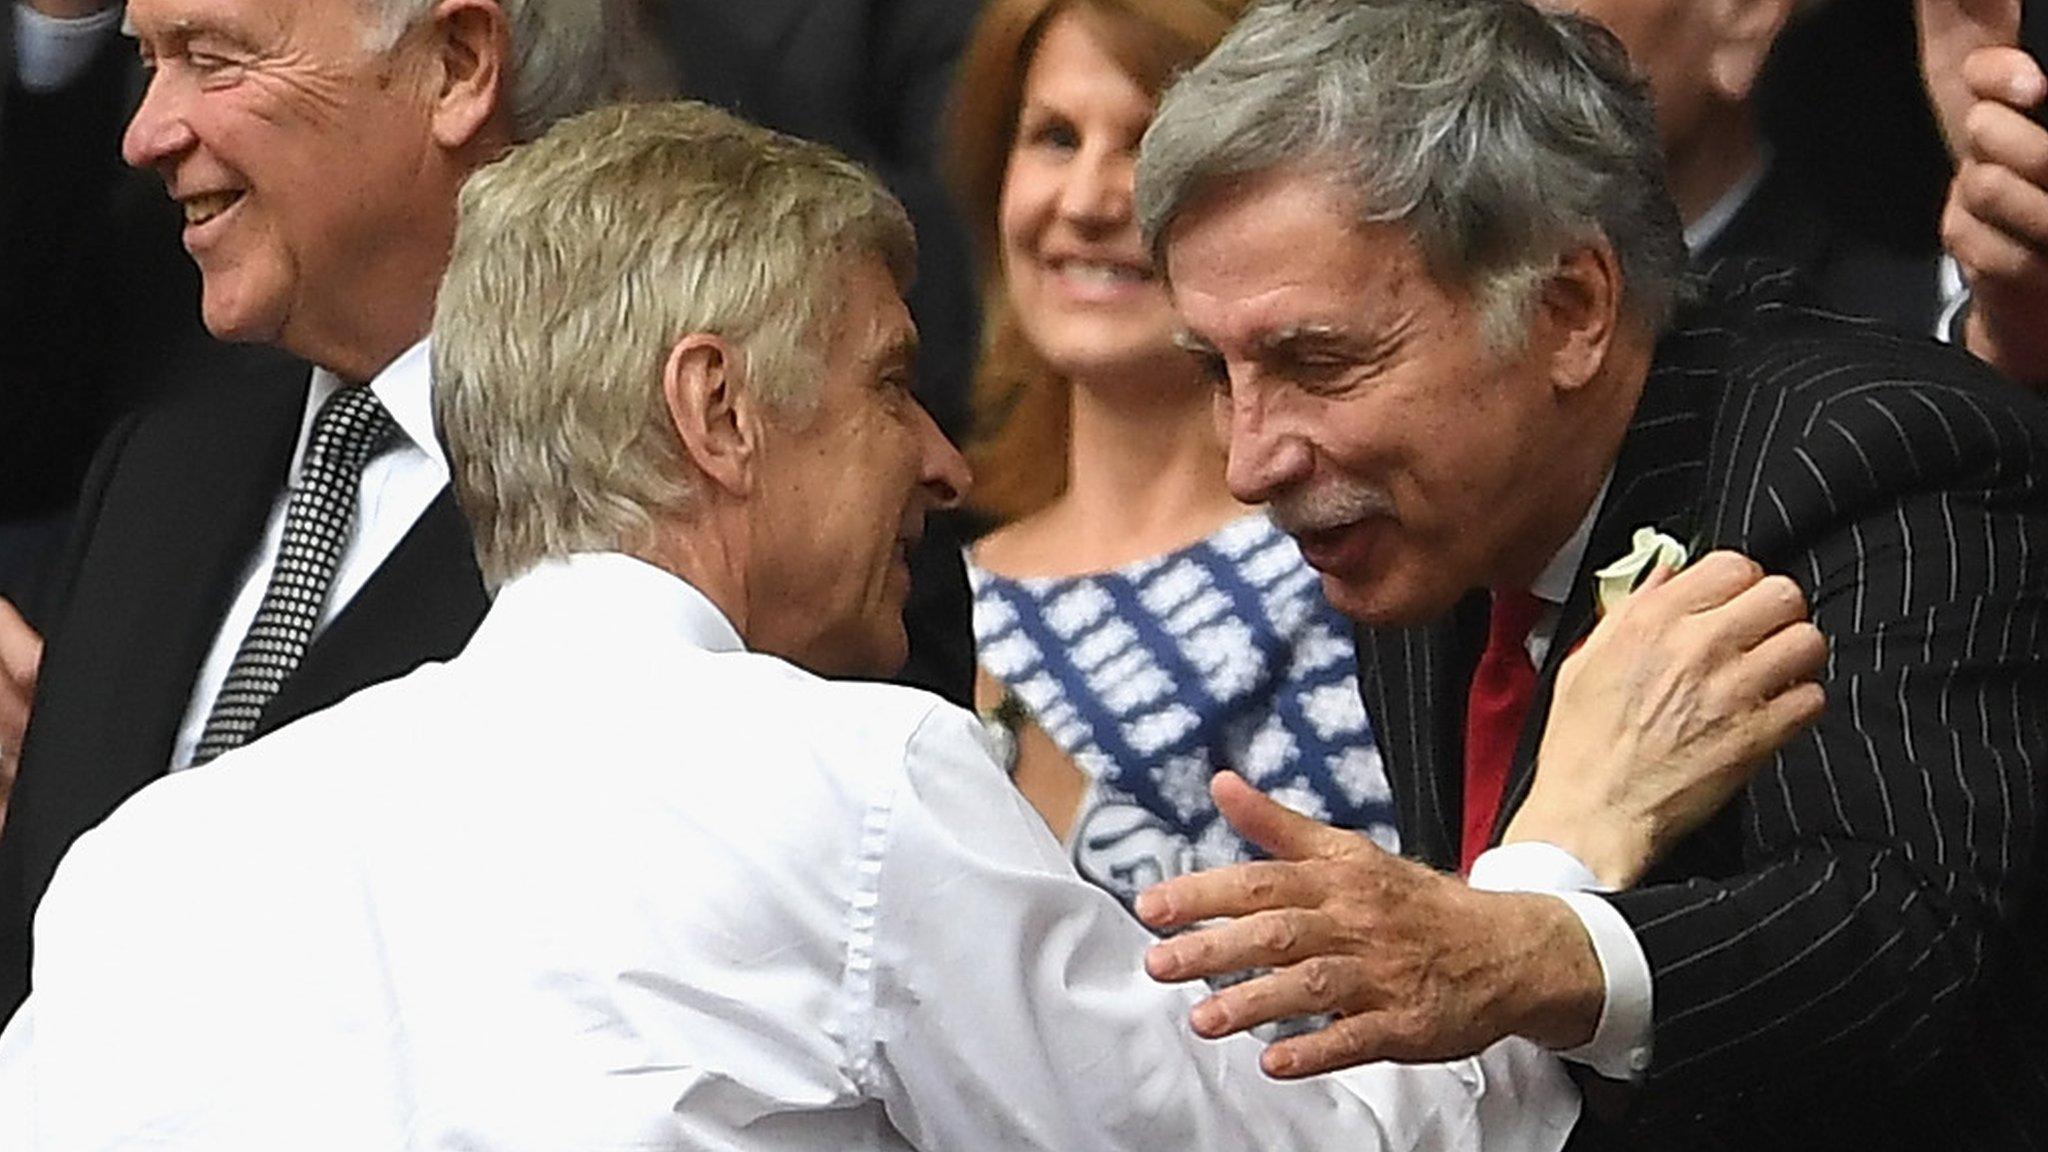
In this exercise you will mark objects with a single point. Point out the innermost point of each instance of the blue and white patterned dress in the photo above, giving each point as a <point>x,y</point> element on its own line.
<point>1223,654</point>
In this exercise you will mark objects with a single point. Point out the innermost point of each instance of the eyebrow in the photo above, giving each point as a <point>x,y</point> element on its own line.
<point>1298,336</point>
<point>176,29</point>
<point>1369,346</point>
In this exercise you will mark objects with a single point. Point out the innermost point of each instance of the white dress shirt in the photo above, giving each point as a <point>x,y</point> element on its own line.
<point>1722,212</point>
<point>609,881</point>
<point>395,489</point>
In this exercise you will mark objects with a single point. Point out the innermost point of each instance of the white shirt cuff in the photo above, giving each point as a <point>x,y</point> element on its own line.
<point>1620,1048</point>
<point>1954,295</point>
<point>50,53</point>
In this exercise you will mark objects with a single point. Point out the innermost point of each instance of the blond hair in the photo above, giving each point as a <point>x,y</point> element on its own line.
<point>580,260</point>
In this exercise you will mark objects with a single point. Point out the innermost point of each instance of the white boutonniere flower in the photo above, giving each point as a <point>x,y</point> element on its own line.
<point>1651,550</point>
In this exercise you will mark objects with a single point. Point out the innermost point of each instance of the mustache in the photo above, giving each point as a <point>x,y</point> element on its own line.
<point>1332,504</point>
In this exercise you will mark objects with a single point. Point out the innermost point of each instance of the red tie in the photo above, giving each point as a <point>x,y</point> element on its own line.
<point>1502,686</point>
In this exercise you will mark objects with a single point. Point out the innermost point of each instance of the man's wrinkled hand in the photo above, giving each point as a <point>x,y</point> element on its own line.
<point>21,657</point>
<point>1666,710</point>
<point>1416,965</point>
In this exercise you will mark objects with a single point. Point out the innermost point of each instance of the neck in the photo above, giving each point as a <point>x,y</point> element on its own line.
<point>1581,461</point>
<point>383,313</point>
<point>1144,461</point>
<point>1723,150</point>
<point>701,553</point>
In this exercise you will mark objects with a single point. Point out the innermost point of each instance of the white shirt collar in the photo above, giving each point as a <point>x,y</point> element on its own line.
<point>404,387</point>
<point>612,594</point>
<point>1721,213</point>
<point>1554,584</point>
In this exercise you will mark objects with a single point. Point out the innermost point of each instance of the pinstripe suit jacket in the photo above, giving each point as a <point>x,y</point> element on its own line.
<point>1852,956</point>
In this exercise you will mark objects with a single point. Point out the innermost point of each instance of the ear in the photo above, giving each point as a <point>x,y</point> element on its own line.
<point>473,47</point>
<point>716,427</point>
<point>1744,31</point>
<point>1579,312</point>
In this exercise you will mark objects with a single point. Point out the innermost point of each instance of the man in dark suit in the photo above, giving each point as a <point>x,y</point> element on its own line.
<point>96,297</point>
<point>1739,198</point>
<point>1428,251</point>
<point>270,543</point>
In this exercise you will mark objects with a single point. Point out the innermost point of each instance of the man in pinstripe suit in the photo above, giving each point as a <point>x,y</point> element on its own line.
<point>1427,249</point>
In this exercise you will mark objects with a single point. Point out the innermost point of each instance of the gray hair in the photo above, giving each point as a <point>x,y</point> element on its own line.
<point>567,55</point>
<point>1499,135</point>
<point>580,260</point>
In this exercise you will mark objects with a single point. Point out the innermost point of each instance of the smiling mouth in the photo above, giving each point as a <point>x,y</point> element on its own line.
<point>1102,272</point>
<point>202,208</point>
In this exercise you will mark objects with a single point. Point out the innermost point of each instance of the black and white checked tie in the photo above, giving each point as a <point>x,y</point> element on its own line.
<point>350,430</point>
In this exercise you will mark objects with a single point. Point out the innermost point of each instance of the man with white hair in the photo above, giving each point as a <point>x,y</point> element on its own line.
<point>262,545</point>
<point>624,873</point>
<point>1738,198</point>
<point>1426,249</point>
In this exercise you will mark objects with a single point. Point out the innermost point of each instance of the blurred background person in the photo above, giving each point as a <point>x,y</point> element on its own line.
<point>1738,196</point>
<point>869,78</point>
<point>1138,628</point>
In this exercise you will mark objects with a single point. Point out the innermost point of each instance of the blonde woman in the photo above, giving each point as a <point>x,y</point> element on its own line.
<point>1137,628</point>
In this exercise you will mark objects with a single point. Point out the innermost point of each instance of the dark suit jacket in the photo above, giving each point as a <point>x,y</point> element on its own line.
<point>99,304</point>
<point>1851,955</point>
<point>1785,222</point>
<point>175,504</point>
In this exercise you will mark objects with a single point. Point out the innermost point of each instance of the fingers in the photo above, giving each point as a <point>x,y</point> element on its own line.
<point>2001,178</point>
<point>1236,890</point>
<point>1245,888</point>
<point>1659,575</point>
<point>1791,655</point>
<point>2004,74</point>
<point>1711,581</point>
<point>1996,221</point>
<point>1316,985</point>
<point>1262,940</point>
<point>1759,611</point>
<point>1950,32</point>
<point>1348,1041</point>
<point>1282,832</point>
<point>1782,717</point>
<point>2004,135</point>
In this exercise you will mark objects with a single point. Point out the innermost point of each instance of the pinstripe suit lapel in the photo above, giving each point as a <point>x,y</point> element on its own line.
<point>1414,682</point>
<point>1658,481</point>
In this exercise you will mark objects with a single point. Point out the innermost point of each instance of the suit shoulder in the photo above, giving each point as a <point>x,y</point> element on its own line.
<point>1818,370</point>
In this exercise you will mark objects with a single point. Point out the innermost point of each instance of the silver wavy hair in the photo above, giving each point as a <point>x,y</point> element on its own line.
<point>1499,135</point>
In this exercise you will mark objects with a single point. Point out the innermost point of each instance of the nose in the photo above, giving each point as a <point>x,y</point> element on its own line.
<point>945,475</point>
<point>1098,187</point>
<point>1265,458</point>
<point>158,131</point>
